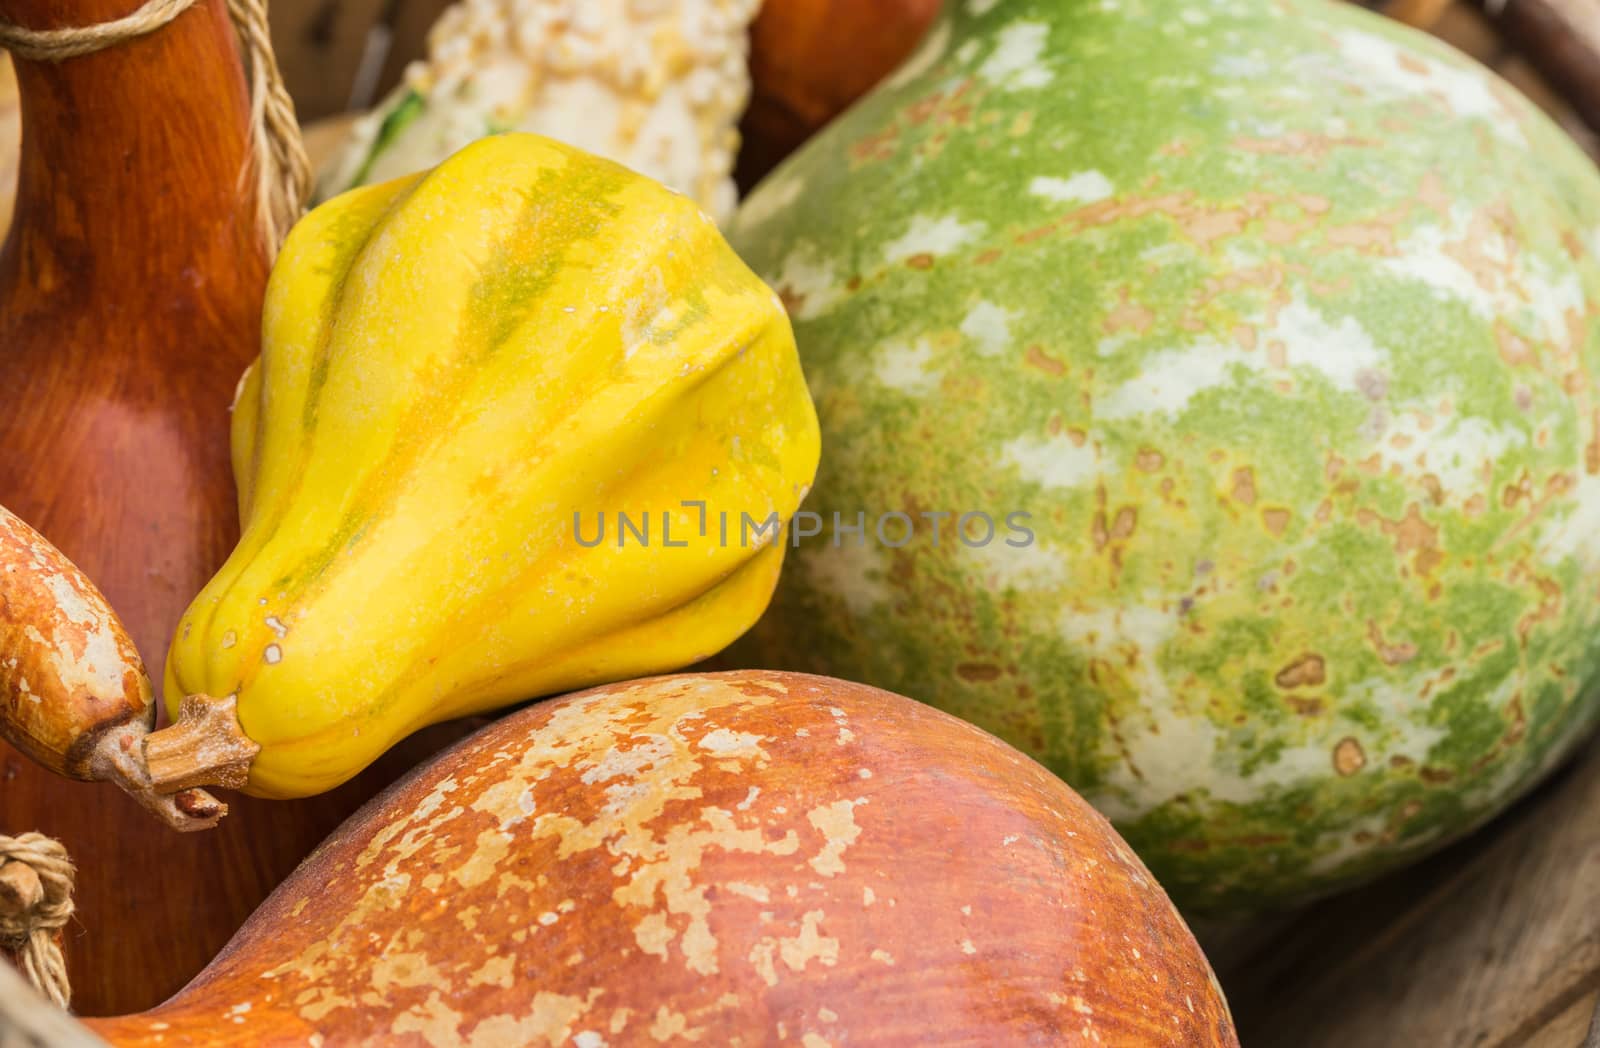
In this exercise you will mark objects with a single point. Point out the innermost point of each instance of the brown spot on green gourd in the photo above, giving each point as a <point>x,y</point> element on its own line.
<point>1514,349</point>
<point>1244,486</point>
<point>1591,449</point>
<point>1309,670</point>
<point>1276,520</point>
<point>1207,227</point>
<point>1392,654</point>
<point>1548,609</point>
<point>1279,231</point>
<point>1037,358</point>
<point>1375,238</point>
<point>1313,706</point>
<point>1411,533</point>
<point>1150,460</point>
<point>1349,757</point>
<point>1312,147</point>
<point>1128,316</point>
<point>1433,194</point>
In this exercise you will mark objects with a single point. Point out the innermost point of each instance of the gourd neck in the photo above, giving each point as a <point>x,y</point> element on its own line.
<point>132,158</point>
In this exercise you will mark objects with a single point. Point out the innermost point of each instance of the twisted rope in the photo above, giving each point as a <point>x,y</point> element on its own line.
<point>278,165</point>
<point>35,904</point>
<point>281,168</point>
<point>58,45</point>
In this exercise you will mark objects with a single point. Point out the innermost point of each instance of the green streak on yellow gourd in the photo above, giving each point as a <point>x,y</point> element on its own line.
<point>453,366</point>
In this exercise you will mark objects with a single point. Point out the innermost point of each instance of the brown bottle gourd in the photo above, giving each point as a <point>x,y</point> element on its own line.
<point>130,296</point>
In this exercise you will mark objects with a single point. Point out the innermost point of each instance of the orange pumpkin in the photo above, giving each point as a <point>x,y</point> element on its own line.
<point>746,858</point>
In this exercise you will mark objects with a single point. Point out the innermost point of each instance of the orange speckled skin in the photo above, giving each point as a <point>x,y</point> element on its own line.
<point>68,670</point>
<point>732,859</point>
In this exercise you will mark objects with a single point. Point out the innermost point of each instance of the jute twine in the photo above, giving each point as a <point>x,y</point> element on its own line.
<point>35,904</point>
<point>277,165</point>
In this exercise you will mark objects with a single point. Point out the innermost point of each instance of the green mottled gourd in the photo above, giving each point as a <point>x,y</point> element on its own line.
<point>1282,324</point>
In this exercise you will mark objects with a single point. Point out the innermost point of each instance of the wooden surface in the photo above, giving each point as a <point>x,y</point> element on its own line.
<point>130,293</point>
<point>1493,942</point>
<point>321,46</point>
<point>1534,45</point>
<point>763,858</point>
<point>1563,38</point>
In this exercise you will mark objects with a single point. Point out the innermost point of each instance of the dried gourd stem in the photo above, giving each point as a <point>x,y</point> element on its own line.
<point>204,747</point>
<point>35,904</point>
<point>118,757</point>
<point>277,167</point>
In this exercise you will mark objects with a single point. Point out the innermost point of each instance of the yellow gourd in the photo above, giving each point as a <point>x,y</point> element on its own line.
<point>466,375</point>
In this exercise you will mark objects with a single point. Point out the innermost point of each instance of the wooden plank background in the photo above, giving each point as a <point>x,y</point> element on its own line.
<point>346,54</point>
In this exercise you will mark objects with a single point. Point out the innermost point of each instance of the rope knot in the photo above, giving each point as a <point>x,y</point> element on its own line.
<point>35,904</point>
